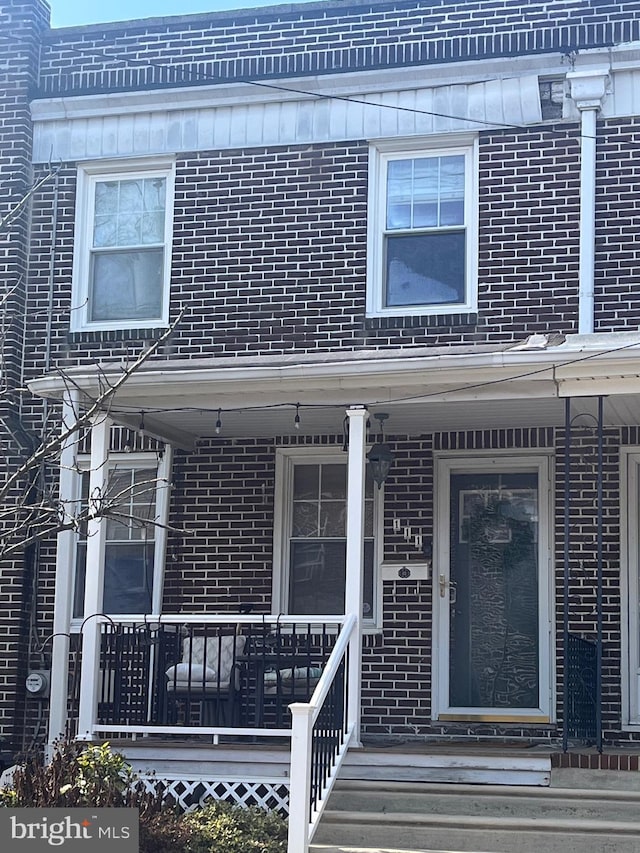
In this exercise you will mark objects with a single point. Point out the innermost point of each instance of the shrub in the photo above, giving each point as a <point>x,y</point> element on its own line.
<point>224,828</point>
<point>86,775</point>
<point>79,775</point>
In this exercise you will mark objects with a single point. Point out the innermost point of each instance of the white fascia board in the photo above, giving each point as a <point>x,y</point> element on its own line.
<point>617,355</point>
<point>296,88</point>
<point>617,57</point>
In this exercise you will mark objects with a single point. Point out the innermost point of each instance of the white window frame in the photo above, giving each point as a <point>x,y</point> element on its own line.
<point>90,174</point>
<point>162,465</point>
<point>286,459</point>
<point>380,154</point>
<point>630,586</point>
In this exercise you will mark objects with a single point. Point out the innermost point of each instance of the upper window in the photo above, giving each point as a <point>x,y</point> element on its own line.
<point>123,242</point>
<point>422,246</point>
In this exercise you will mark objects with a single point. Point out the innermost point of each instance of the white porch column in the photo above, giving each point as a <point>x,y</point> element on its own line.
<point>588,88</point>
<point>63,595</point>
<point>94,584</point>
<point>355,557</point>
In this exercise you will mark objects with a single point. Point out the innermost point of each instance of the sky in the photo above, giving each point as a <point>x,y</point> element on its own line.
<point>71,13</point>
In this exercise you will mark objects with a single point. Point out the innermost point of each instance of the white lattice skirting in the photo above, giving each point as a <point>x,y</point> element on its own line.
<point>192,793</point>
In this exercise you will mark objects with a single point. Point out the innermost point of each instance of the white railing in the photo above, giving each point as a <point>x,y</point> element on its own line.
<point>321,729</point>
<point>317,754</point>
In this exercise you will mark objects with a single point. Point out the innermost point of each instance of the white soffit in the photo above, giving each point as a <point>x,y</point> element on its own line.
<point>409,419</point>
<point>121,133</point>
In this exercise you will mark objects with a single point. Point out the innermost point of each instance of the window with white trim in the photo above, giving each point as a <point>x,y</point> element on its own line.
<point>311,535</point>
<point>122,254</point>
<point>135,522</point>
<point>422,231</point>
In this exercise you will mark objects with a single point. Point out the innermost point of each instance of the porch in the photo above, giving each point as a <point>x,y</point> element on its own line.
<point>392,667</point>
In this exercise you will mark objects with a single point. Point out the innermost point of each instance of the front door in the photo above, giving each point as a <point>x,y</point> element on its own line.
<point>492,590</point>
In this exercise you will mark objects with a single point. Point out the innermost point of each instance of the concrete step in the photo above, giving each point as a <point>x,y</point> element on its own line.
<point>486,801</point>
<point>505,835</point>
<point>322,848</point>
<point>377,817</point>
<point>464,766</point>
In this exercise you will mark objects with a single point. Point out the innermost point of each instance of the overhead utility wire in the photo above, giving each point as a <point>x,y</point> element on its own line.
<point>207,78</point>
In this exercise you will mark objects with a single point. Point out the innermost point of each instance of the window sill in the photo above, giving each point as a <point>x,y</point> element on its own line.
<point>435,321</point>
<point>105,336</point>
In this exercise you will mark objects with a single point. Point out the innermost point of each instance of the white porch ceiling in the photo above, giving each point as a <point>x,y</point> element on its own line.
<point>412,419</point>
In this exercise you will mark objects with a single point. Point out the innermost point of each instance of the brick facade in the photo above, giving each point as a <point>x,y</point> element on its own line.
<point>21,28</point>
<point>269,258</point>
<point>324,39</point>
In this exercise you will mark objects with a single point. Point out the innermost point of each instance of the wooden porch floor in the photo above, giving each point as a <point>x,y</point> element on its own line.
<point>482,763</point>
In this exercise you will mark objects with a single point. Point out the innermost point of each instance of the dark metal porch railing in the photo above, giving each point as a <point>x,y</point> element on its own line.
<point>328,735</point>
<point>581,688</point>
<point>240,675</point>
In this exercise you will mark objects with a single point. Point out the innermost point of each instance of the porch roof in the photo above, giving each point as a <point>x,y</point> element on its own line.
<point>423,389</point>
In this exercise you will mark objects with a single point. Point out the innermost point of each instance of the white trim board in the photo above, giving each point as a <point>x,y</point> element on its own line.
<point>223,126</point>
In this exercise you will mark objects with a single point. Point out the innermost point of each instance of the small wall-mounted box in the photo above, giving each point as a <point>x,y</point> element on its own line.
<point>38,683</point>
<point>407,570</point>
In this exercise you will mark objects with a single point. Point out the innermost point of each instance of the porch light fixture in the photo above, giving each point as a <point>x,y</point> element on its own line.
<point>380,456</point>
<point>219,422</point>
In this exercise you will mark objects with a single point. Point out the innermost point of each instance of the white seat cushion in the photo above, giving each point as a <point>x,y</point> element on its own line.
<point>194,672</point>
<point>298,679</point>
<point>204,661</point>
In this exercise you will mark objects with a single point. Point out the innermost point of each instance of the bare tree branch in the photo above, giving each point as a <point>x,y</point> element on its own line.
<point>15,211</point>
<point>29,510</point>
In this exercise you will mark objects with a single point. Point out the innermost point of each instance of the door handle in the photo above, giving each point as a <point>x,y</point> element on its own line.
<point>445,585</point>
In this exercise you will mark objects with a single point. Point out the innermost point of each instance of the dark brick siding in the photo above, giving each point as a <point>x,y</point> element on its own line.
<point>223,501</point>
<point>22,24</point>
<point>617,225</point>
<point>269,256</point>
<point>269,251</point>
<point>324,39</point>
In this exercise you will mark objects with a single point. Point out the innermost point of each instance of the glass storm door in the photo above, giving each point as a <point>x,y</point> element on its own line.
<point>492,595</point>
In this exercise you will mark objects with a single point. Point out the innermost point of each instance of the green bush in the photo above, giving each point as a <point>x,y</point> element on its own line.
<point>79,775</point>
<point>224,828</point>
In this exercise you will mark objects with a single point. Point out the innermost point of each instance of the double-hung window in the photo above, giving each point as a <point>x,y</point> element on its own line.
<point>422,231</point>
<point>123,247</point>
<point>135,520</point>
<point>311,539</point>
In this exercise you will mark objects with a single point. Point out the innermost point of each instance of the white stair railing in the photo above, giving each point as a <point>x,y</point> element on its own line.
<point>314,769</point>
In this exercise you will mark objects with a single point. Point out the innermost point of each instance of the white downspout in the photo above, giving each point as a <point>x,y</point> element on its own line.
<point>588,88</point>
<point>587,221</point>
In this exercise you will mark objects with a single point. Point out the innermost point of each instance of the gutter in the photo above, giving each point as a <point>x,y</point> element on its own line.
<point>577,357</point>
